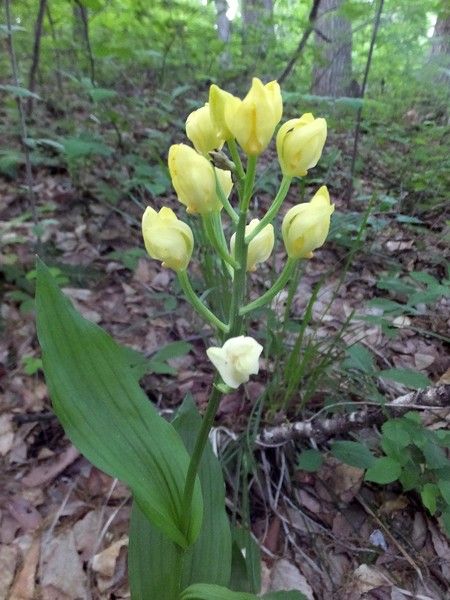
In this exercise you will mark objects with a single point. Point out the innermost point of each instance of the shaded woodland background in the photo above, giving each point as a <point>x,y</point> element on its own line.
<point>92,95</point>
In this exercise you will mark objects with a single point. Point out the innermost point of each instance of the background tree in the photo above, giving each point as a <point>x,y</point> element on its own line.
<point>332,72</point>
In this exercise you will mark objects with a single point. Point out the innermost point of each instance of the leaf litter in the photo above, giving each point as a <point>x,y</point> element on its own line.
<point>63,524</point>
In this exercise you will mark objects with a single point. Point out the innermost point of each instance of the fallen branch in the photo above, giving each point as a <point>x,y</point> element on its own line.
<point>323,429</point>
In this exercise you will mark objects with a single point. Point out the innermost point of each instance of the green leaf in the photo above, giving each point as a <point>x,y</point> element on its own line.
<point>407,377</point>
<point>80,148</point>
<point>100,94</point>
<point>153,558</point>
<point>203,591</point>
<point>384,470</point>
<point>172,350</point>
<point>446,520</point>
<point>353,453</point>
<point>411,476</point>
<point>292,595</point>
<point>429,494</point>
<point>434,455</point>
<point>398,431</point>
<point>107,416</point>
<point>359,358</point>
<point>246,562</point>
<point>444,488</point>
<point>19,92</point>
<point>310,460</point>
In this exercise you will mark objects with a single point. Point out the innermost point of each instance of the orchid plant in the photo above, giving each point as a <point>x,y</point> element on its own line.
<point>181,544</point>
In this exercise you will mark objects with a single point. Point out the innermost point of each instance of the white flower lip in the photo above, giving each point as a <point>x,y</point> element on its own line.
<point>236,360</point>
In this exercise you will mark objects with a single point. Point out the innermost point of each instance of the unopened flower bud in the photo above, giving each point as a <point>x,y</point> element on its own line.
<point>194,182</point>
<point>261,246</point>
<point>201,131</point>
<point>167,238</point>
<point>300,143</point>
<point>252,120</point>
<point>305,226</point>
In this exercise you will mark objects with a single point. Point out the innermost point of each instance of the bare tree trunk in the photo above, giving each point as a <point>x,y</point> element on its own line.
<point>223,31</point>
<point>222,21</point>
<point>258,24</point>
<point>440,46</point>
<point>363,91</point>
<point>36,53</point>
<point>333,71</point>
<point>81,32</point>
<point>302,43</point>
<point>23,126</point>
<point>55,50</point>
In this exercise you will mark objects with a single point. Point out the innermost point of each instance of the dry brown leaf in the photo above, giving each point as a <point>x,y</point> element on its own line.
<point>8,559</point>
<point>86,532</point>
<point>286,576</point>
<point>42,474</point>
<point>24,513</point>
<point>6,433</point>
<point>104,563</point>
<point>61,567</point>
<point>24,583</point>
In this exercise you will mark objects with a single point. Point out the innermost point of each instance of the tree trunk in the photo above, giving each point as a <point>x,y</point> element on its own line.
<point>36,52</point>
<point>440,46</point>
<point>222,21</point>
<point>332,74</point>
<point>259,30</point>
<point>81,33</point>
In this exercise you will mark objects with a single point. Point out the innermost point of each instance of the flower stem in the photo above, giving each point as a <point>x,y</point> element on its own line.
<point>224,200</point>
<point>234,153</point>
<point>218,242</point>
<point>200,443</point>
<point>195,301</point>
<point>273,291</point>
<point>273,210</point>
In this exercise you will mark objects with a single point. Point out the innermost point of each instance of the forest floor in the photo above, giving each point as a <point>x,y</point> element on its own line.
<point>327,533</point>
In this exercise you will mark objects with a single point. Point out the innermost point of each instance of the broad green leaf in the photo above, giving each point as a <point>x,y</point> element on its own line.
<point>19,92</point>
<point>204,591</point>
<point>444,488</point>
<point>429,494</point>
<point>215,592</point>
<point>358,357</point>
<point>100,94</point>
<point>434,455</point>
<point>153,557</point>
<point>292,595</point>
<point>353,453</point>
<point>246,562</point>
<point>384,470</point>
<point>398,431</point>
<point>81,148</point>
<point>446,520</point>
<point>107,416</point>
<point>152,560</point>
<point>407,377</point>
<point>172,350</point>
<point>310,460</point>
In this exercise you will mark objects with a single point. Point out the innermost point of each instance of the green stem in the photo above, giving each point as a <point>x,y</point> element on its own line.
<point>240,252</point>
<point>273,291</point>
<point>273,210</point>
<point>234,153</point>
<point>249,182</point>
<point>195,301</point>
<point>224,200</point>
<point>218,242</point>
<point>200,443</point>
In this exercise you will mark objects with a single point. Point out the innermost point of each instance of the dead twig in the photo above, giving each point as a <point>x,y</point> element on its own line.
<point>323,429</point>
